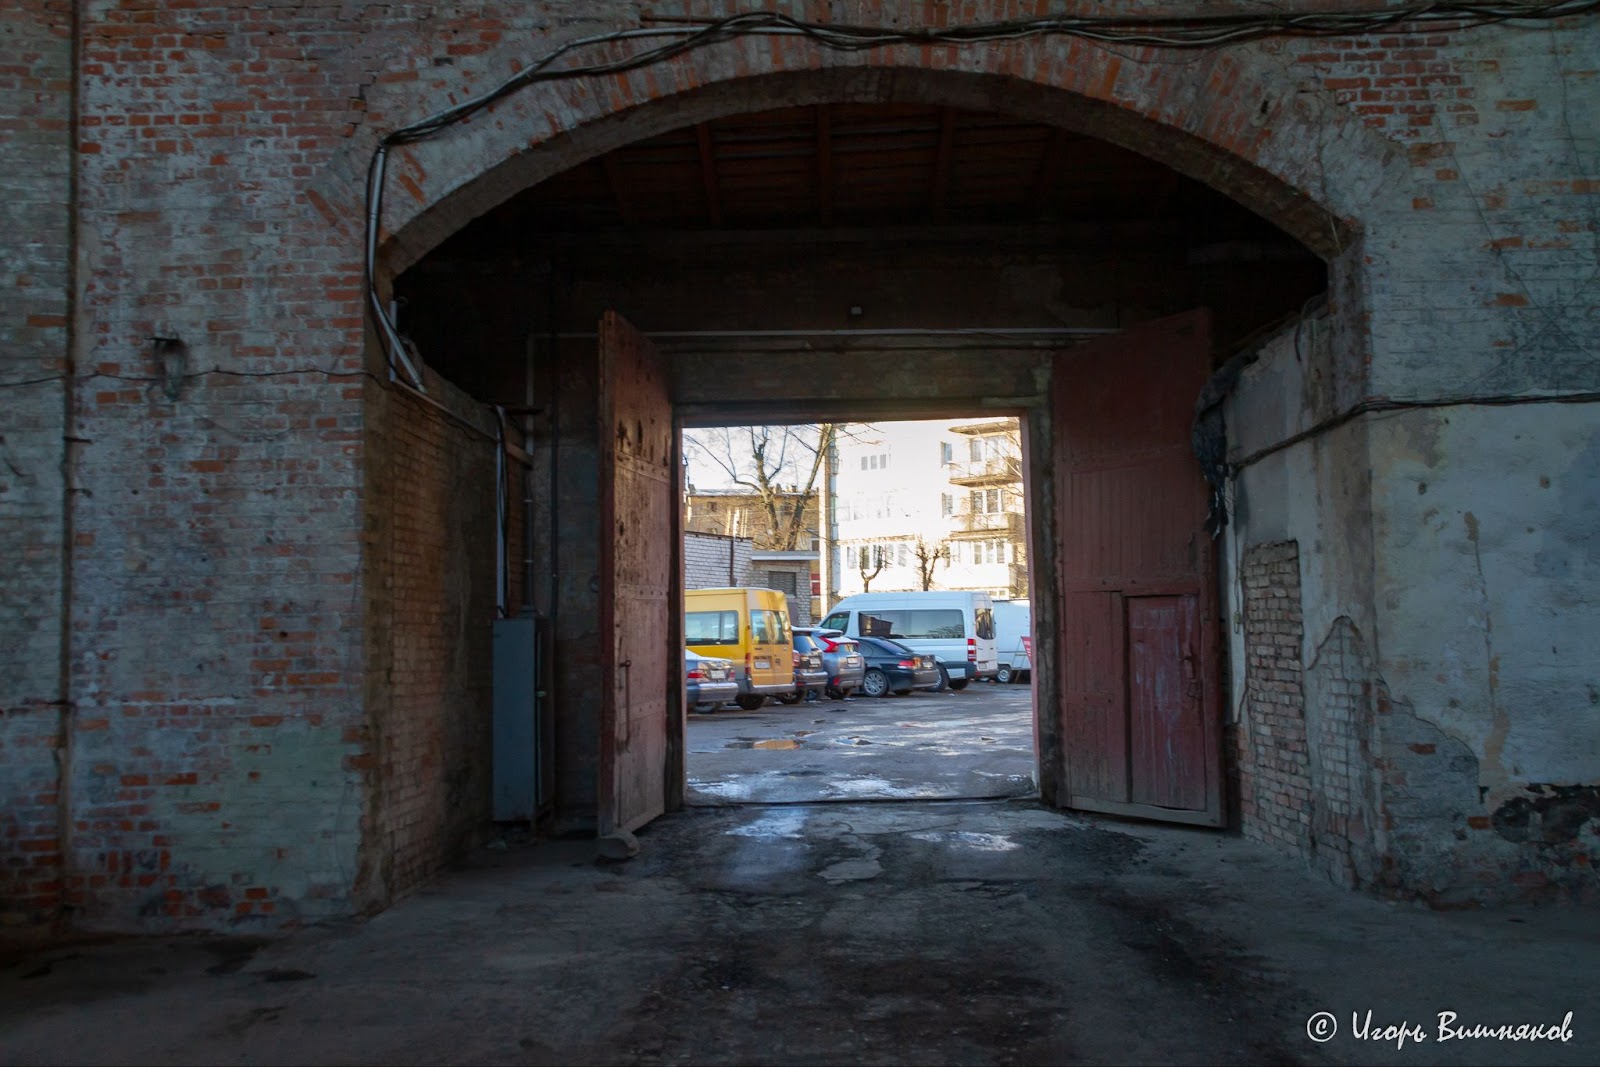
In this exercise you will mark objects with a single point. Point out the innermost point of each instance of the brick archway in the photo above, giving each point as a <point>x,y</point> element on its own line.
<point>1229,119</point>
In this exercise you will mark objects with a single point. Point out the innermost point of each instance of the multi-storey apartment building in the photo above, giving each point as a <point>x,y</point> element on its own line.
<point>927,505</point>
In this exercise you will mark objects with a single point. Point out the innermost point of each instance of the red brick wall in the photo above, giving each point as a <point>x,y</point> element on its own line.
<point>431,524</point>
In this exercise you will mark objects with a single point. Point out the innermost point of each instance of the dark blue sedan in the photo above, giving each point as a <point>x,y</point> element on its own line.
<point>894,668</point>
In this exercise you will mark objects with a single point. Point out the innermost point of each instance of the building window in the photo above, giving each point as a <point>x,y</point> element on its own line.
<point>877,461</point>
<point>985,502</point>
<point>947,504</point>
<point>947,453</point>
<point>782,581</point>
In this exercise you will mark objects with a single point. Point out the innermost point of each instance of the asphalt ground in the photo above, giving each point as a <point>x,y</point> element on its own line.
<point>972,743</point>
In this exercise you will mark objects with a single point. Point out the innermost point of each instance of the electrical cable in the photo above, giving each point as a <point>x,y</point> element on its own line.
<point>1379,404</point>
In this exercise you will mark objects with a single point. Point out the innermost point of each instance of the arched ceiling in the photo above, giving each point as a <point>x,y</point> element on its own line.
<point>865,165</point>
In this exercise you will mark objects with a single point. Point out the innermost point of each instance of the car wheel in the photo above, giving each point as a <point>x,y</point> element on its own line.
<point>944,680</point>
<point>958,684</point>
<point>875,684</point>
<point>1006,674</point>
<point>703,709</point>
<point>751,701</point>
<point>789,698</point>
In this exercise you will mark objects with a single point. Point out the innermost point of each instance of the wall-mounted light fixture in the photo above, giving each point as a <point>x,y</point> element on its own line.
<point>172,356</point>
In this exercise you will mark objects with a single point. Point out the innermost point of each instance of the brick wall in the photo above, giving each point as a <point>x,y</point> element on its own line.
<point>1339,717</point>
<point>705,561</point>
<point>430,696</point>
<point>35,258</point>
<point>1302,745</point>
<point>1275,798</point>
<point>217,658</point>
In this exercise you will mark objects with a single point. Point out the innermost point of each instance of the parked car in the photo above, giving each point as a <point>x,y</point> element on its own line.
<point>955,627</point>
<point>841,659</point>
<point>750,627</point>
<point>1013,628</point>
<point>809,676</point>
<point>893,668</point>
<point>708,682</point>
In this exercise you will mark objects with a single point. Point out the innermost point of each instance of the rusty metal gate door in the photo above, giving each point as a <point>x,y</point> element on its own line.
<point>639,529</point>
<point>1141,729</point>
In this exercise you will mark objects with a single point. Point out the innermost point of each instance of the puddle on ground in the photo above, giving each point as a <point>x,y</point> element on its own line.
<point>968,839</point>
<point>774,742</point>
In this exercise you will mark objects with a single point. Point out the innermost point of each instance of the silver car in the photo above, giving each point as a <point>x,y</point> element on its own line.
<point>841,659</point>
<point>708,682</point>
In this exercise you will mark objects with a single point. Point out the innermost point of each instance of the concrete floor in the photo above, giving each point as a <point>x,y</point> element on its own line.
<point>875,933</point>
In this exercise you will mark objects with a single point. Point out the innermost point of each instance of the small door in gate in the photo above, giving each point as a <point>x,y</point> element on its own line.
<point>639,528</point>
<point>1141,729</point>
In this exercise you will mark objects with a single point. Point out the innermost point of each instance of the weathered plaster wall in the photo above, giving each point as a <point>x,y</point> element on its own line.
<point>1312,499</point>
<point>35,259</point>
<point>1486,519</point>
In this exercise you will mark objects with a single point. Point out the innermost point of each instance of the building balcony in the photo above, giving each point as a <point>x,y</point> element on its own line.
<point>978,525</point>
<point>986,427</point>
<point>981,472</point>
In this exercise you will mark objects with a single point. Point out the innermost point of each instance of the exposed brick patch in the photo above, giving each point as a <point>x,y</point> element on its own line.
<point>1303,745</point>
<point>1338,685</point>
<point>1275,800</point>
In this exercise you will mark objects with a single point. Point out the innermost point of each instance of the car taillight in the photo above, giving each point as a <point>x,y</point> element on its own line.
<point>972,650</point>
<point>698,673</point>
<point>828,645</point>
<point>908,663</point>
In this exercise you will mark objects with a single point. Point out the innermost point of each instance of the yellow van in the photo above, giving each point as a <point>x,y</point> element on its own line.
<point>749,627</point>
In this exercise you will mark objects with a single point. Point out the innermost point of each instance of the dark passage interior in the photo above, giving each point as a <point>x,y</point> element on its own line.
<point>858,261</point>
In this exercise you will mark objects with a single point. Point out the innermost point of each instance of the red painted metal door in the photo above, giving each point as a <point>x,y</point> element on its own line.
<point>1141,727</point>
<point>637,533</point>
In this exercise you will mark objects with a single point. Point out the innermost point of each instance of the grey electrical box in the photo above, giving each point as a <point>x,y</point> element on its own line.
<point>519,718</point>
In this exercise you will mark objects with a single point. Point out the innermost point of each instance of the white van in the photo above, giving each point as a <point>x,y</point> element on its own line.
<point>955,628</point>
<point>1013,639</point>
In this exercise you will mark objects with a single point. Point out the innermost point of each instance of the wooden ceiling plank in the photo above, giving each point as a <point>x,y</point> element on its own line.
<point>619,194</point>
<point>1049,170</point>
<point>824,165</point>
<point>941,162</point>
<point>708,175</point>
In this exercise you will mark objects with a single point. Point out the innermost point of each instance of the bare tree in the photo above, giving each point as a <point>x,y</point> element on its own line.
<point>867,576</point>
<point>928,556</point>
<point>777,465</point>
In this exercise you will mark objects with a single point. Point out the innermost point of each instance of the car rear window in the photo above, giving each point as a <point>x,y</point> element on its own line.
<point>983,622</point>
<point>806,643</point>
<point>711,628</point>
